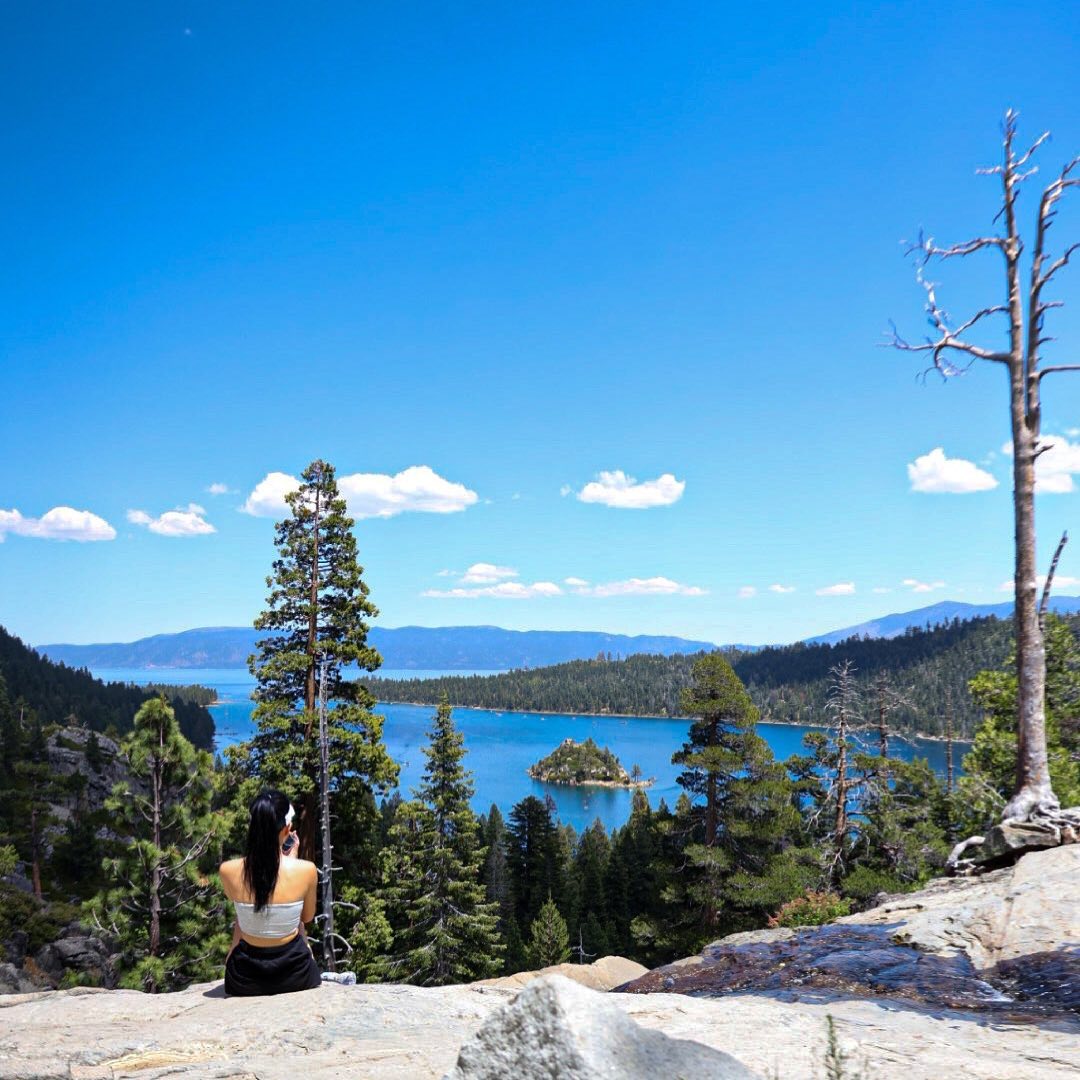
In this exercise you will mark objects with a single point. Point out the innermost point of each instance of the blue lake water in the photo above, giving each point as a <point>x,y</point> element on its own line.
<point>502,745</point>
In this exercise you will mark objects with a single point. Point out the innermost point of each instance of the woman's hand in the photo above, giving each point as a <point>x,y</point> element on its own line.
<point>291,848</point>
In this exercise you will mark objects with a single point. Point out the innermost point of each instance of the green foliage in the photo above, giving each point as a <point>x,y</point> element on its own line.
<point>535,858</point>
<point>317,607</point>
<point>990,767</point>
<point>162,902</point>
<point>549,939</point>
<point>364,925</point>
<point>445,930</point>
<point>62,695</point>
<point>811,909</point>
<point>788,684</point>
<point>9,858</point>
<point>42,920</point>
<point>580,763</point>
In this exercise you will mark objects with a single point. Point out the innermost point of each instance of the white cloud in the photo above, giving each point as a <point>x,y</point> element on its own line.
<point>654,586</point>
<point>181,522</point>
<point>59,523</point>
<point>575,582</point>
<point>781,588</point>
<point>881,589</point>
<point>841,588</point>
<point>445,573</point>
<point>1061,581</point>
<point>746,591</point>
<point>504,590</point>
<point>934,473</point>
<point>565,490</point>
<point>220,489</point>
<point>923,586</point>
<point>1054,469</point>
<point>268,497</point>
<point>1073,432</point>
<point>485,573</point>
<point>624,492</point>
<point>416,489</point>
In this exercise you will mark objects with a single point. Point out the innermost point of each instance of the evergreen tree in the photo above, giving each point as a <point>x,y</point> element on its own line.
<point>738,857</point>
<point>549,939</point>
<point>990,766</point>
<point>496,871</point>
<point>535,856</point>
<point>163,903</point>
<point>445,929</point>
<point>317,610</point>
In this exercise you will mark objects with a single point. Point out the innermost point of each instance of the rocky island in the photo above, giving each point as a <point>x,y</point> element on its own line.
<point>585,764</point>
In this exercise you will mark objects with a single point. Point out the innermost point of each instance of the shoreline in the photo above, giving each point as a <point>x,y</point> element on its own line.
<point>593,783</point>
<point>906,736</point>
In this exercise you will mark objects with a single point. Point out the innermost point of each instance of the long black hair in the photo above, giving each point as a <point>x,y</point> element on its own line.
<point>262,856</point>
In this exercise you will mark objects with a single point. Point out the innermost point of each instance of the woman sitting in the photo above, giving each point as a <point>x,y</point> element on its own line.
<point>273,892</point>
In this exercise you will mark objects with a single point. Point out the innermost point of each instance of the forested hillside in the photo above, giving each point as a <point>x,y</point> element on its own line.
<point>63,695</point>
<point>788,683</point>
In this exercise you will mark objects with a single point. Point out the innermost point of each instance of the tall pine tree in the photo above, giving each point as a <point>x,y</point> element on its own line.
<point>162,902</point>
<point>445,929</point>
<point>317,609</point>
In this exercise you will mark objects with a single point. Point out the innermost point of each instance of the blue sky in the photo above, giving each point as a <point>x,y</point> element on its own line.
<point>480,257</point>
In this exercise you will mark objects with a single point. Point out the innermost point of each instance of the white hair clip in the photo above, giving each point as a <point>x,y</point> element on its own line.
<point>289,816</point>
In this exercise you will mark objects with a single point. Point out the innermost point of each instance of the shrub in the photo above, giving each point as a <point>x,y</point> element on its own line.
<point>811,909</point>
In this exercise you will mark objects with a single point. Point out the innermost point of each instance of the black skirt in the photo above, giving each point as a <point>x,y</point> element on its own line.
<point>252,970</point>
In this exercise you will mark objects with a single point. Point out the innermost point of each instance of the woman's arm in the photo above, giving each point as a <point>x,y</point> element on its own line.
<point>309,898</point>
<point>235,939</point>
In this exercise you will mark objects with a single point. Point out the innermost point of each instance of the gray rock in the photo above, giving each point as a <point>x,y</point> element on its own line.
<point>15,981</point>
<point>84,955</point>
<point>16,947</point>
<point>1012,840</point>
<point>557,1028</point>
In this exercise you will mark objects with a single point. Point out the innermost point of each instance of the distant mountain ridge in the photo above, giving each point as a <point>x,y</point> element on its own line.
<point>449,648</point>
<point>890,626</point>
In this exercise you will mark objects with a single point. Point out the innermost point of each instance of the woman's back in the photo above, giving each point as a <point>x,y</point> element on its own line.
<point>291,902</point>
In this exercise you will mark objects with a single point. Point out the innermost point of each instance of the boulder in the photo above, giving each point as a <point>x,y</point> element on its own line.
<point>603,974</point>
<point>558,1028</point>
<point>80,954</point>
<point>14,980</point>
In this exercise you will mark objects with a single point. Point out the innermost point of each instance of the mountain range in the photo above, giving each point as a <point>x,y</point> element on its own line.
<point>490,648</point>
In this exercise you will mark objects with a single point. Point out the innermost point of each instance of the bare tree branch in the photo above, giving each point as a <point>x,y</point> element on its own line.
<point>1050,579</point>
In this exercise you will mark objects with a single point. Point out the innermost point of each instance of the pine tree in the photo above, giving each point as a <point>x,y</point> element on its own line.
<point>317,610</point>
<point>445,929</point>
<point>549,939</point>
<point>535,857</point>
<point>737,852</point>
<point>162,902</point>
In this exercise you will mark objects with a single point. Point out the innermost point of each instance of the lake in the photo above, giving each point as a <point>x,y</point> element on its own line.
<point>502,745</point>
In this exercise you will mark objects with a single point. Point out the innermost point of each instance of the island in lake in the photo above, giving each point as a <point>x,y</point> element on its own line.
<point>585,764</point>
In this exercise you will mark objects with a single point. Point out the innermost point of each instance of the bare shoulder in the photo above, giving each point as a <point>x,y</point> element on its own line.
<point>232,868</point>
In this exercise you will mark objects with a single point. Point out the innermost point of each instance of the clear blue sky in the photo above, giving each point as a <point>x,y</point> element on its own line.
<point>519,246</point>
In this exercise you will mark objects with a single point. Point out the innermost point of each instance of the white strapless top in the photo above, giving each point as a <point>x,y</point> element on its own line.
<point>274,921</point>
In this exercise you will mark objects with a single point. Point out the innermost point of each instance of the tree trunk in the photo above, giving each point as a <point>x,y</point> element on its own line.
<point>306,828</point>
<point>35,853</point>
<point>1033,789</point>
<point>155,873</point>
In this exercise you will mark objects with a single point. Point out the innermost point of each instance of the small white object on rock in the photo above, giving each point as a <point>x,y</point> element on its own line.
<point>555,1027</point>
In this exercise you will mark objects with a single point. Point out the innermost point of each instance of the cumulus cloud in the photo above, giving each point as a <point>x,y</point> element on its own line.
<point>575,582</point>
<point>417,489</point>
<point>936,474</point>
<point>1054,468</point>
<point>268,497</point>
<point>504,590</point>
<point>220,489</point>
<point>617,489</point>
<point>746,591</point>
<point>59,523</point>
<point>654,586</point>
<point>841,588</point>
<point>186,521</point>
<point>923,586</point>
<point>485,573</point>
<point>781,588</point>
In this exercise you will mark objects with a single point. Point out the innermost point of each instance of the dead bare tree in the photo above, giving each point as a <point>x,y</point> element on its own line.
<point>952,351</point>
